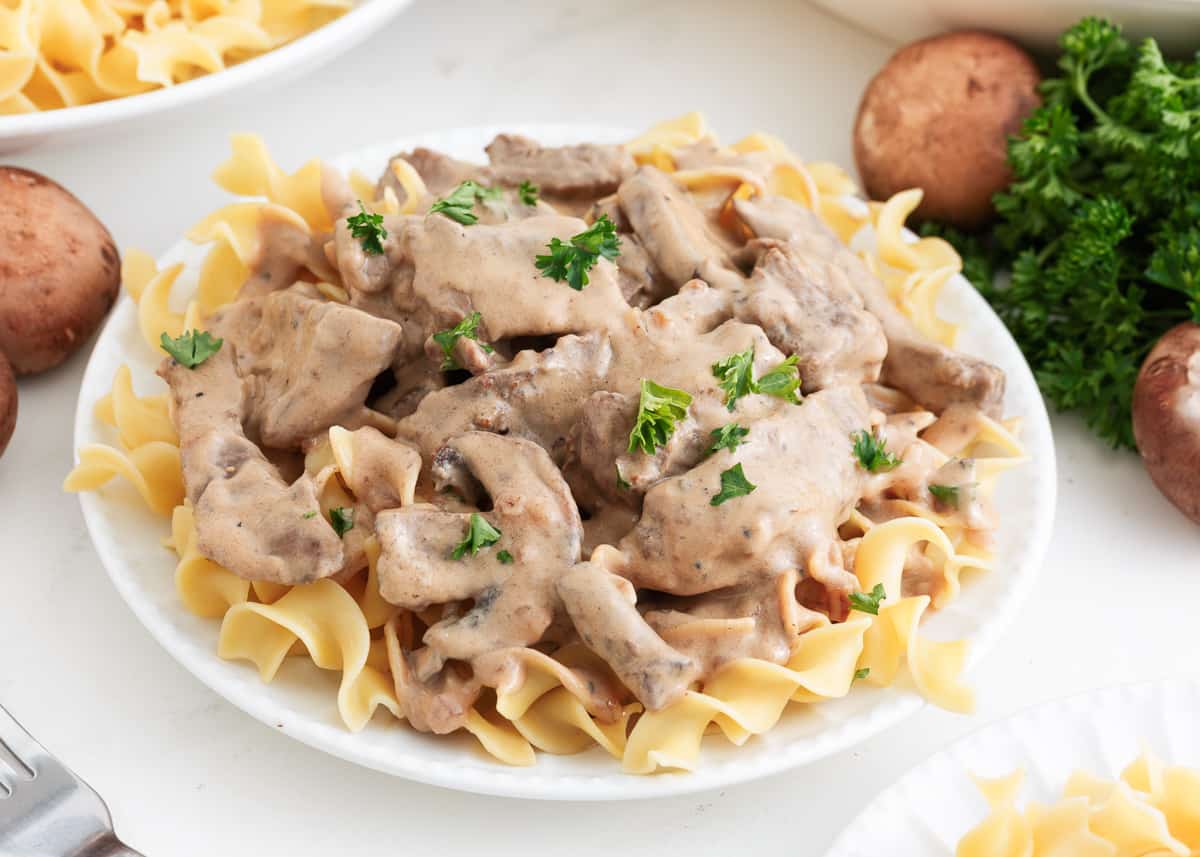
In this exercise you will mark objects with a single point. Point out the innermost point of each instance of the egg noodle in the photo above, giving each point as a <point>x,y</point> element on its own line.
<point>65,53</point>
<point>1153,810</point>
<point>349,628</point>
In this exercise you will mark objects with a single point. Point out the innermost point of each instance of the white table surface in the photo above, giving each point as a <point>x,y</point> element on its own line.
<point>187,774</point>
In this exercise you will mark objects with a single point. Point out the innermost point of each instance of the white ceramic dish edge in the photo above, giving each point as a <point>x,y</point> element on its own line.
<point>591,776</point>
<point>298,57</point>
<point>926,811</point>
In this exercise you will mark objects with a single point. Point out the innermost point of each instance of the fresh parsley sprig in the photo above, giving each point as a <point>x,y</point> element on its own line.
<point>1100,228</point>
<point>342,520</point>
<point>733,484</point>
<point>528,192</point>
<point>782,382</point>
<point>868,602</point>
<point>192,348</point>
<point>728,437</point>
<point>467,328</point>
<point>480,534</point>
<point>947,494</point>
<point>570,262</point>
<point>735,375</point>
<point>659,409</point>
<point>368,229</point>
<point>872,453</point>
<point>458,204</point>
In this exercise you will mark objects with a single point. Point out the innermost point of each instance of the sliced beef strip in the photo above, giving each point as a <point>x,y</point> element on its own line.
<point>674,232</point>
<point>933,374</point>
<point>514,603</point>
<point>308,364</point>
<point>603,609</point>
<point>801,459</point>
<point>440,173</point>
<point>821,321</point>
<point>248,519</point>
<point>587,169</point>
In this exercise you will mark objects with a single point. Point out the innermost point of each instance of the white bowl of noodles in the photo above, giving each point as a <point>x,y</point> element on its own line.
<point>20,130</point>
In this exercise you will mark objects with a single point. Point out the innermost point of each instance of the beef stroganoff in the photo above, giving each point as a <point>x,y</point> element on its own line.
<point>590,445</point>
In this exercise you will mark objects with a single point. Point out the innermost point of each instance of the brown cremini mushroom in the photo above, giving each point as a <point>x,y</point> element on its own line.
<point>59,271</point>
<point>8,402</point>
<point>1166,416</point>
<point>938,116</point>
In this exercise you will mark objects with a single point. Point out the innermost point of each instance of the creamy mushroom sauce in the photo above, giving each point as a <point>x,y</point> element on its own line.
<point>621,552</point>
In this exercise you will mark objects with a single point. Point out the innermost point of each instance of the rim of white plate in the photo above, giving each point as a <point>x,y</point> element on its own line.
<point>296,57</point>
<point>592,775</point>
<point>928,808</point>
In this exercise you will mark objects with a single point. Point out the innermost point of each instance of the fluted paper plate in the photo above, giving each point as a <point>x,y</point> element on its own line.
<point>928,810</point>
<point>302,700</point>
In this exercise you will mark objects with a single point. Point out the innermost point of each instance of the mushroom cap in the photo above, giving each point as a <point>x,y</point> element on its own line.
<point>8,402</point>
<point>938,116</point>
<point>59,271</point>
<point>1166,416</point>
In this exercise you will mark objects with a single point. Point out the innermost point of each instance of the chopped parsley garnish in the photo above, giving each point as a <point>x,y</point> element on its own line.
<point>782,382</point>
<point>859,675</point>
<point>948,494</point>
<point>308,516</point>
<point>342,519</point>
<point>458,203</point>
<point>469,328</point>
<point>868,602</point>
<point>480,534</point>
<point>570,262</point>
<point>736,376</point>
<point>733,484</point>
<point>871,452</point>
<point>191,349</point>
<point>658,410</point>
<point>528,193</point>
<point>622,482</point>
<point>368,229</point>
<point>728,437</point>
<point>505,557</point>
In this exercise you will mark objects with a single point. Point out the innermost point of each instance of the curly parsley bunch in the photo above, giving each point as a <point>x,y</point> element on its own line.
<point>1100,229</point>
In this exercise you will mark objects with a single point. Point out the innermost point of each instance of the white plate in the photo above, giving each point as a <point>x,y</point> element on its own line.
<point>927,811</point>
<point>282,64</point>
<point>301,701</point>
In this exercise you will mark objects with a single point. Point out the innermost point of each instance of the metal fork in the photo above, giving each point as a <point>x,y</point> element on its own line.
<point>45,810</point>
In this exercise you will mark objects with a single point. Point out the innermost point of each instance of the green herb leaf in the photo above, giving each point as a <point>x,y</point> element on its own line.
<point>480,534</point>
<point>783,381</point>
<point>947,494</point>
<point>868,602</point>
<point>860,674</point>
<point>368,229</point>
<point>308,516</point>
<point>659,409</point>
<point>191,349</point>
<point>505,557</point>
<point>458,204</point>
<point>342,520</point>
<point>733,484</point>
<point>727,437</point>
<point>622,483</point>
<point>528,193</point>
<point>570,262</point>
<point>469,328</point>
<point>736,376</point>
<point>871,452</point>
